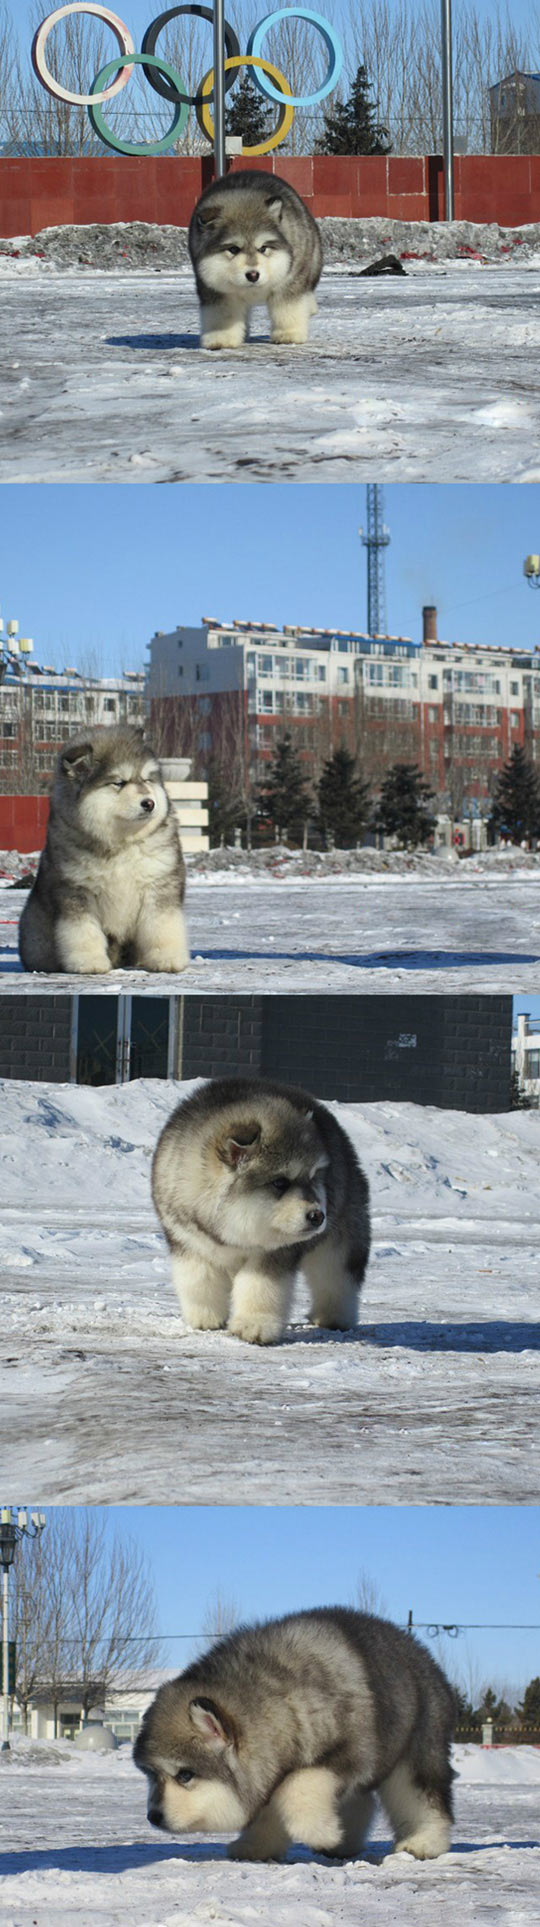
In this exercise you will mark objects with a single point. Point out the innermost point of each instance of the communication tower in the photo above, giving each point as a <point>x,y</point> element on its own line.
<point>375,539</point>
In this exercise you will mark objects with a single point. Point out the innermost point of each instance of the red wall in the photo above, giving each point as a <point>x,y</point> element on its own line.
<point>23,822</point>
<point>49,193</point>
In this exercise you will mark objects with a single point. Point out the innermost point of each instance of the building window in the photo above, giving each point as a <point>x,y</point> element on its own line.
<point>514,719</point>
<point>432,714</point>
<point>110,704</point>
<point>343,675</point>
<point>514,689</point>
<point>433,682</point>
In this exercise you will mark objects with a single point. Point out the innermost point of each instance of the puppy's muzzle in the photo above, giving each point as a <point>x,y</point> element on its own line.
<point>155,1816</point>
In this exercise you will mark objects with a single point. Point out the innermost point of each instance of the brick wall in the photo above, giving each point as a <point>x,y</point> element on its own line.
<point>221,1036</point>
<point>454,1052</point>
<point>51,193</point>
<point>23,822</point>
<point>35,1038</point>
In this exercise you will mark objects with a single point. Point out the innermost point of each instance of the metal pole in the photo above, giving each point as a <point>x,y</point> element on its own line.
<point>5,1665</point>
<point>219,88</point>
<point>448,116</point>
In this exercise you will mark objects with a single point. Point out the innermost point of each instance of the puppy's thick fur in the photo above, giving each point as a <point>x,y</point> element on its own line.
<point>287,1730</point>
<point>251,1181</point>
<point>110,883</point>
<point>252,241</point>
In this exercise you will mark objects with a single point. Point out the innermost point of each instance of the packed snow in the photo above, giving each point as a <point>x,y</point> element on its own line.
<point>427,376</point>
<point>78,1849</point>
<point>429,925</point>
<point>108,1398</point>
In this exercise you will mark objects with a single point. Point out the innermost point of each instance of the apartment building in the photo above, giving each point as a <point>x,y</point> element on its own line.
<point>455,709</point>
<point>41,707</point>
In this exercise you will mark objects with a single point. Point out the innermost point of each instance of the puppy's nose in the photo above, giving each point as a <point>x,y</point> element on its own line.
<point>252,274</point>
<point>147,803</point>
<point>315,1217</point>
<point>155,1816</point>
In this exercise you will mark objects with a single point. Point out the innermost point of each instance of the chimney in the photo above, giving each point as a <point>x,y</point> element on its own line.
<point>429,622</point>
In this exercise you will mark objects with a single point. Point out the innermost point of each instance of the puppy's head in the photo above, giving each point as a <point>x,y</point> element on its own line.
<point>113,780</point>
<point>273,1163</point>
<point>188,1748</point>
<point>242,249</point>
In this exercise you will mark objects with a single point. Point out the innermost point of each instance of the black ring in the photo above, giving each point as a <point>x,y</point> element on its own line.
<point>148,46</point>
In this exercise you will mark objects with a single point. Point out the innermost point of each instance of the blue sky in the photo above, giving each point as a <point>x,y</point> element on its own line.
<point>449,1564</point>
<point>91,571</point>
<point>138,13</point>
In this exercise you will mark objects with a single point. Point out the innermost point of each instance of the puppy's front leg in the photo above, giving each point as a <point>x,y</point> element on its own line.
<point>223,324</point>
<point>260,1305</point>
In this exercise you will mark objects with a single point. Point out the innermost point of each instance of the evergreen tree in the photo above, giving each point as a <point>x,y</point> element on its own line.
<point>529,1711</point>
<point>248,116</point>
<point>285,797</point>
<point>516,803</point>
<point>402,810</point>
<point>350,126</point>
<point>344,801</point>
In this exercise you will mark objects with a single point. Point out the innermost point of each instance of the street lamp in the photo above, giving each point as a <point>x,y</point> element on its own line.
<point>13,1527</point>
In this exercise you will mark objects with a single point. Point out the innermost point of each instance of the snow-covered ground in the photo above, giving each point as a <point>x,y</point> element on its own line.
<point>427,377</point>
<point>78,1849</point>
<point>106,1397</point>
<point>460,928</point>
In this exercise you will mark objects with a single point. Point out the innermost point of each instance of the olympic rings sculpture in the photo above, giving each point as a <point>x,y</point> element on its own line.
<point>168,83</point>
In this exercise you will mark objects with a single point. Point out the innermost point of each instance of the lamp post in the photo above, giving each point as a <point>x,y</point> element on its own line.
<point>447,105</point>
<point>12,1529</point>
<point>219,88</point>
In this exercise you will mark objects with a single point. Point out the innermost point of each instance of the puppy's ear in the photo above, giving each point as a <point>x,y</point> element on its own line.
<point>240,1144</point>
<point>275,207</point>
<point>214,1727</point>
<point>206,216</point>
<point>77,759</point>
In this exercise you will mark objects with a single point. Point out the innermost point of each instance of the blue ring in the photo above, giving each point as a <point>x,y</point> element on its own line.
<point>330,38</point>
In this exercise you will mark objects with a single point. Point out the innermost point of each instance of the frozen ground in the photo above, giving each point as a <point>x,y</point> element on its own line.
<point>451,929</point>
<point>78,1849</point>
<point>433,375</point>
<point>106,1397</point>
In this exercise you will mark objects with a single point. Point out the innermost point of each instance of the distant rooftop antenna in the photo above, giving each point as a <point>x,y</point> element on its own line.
<point>376,539</point>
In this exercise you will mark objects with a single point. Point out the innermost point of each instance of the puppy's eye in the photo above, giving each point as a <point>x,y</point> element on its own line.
<point>232,250</point>
<point>121,784</point>
<point>266,248</point>
<point>184,1776</point>
<point>280,1186</point>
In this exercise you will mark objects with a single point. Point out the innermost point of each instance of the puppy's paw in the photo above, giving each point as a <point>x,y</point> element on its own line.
<point>244,1849</point>
<point>256,1328</point>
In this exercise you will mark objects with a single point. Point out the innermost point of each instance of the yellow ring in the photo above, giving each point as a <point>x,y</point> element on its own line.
<point>285,121</point>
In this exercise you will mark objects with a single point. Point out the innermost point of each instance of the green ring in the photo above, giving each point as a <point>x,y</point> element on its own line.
<point>148,147</point>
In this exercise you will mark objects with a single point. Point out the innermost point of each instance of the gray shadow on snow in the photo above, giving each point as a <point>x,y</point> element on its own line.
<point>486,1336</point>
<point>157,342</point>
<point>127,1858</point>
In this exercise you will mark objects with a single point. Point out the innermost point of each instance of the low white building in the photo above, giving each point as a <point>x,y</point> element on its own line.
<point>526,1057</point>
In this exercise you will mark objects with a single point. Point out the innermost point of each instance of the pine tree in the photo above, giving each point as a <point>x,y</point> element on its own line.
<point>248,115</point>
<point>402,810</point>
<point>350,126</point>
<point>344,801</point>
<point>529,1711</point>
<point>285,797</point>
<point>516,802</point>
